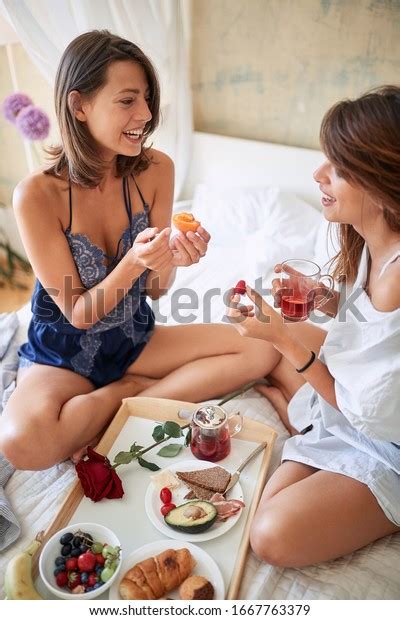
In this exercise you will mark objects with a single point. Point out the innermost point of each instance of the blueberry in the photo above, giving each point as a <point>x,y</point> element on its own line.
<point>59,561</point>
<point>97,585</point>
<point>84,577</point>
<point>59,569</point>
<point>89,589</point>
<point>83,548</point>
<point>66,550</point>
<point>77,541</point>
<point>75,553</point>
<point>66,538</point>
<point>98,570</point>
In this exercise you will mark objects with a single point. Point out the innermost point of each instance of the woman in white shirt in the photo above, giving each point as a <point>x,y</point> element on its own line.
<point>338,487</point>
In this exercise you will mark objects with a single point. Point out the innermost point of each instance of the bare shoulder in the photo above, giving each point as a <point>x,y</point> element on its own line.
<point>387,296</point>
<point>30,187</point>
<point>161,160</point>
<point>38,193</point>
<point>158,179</point>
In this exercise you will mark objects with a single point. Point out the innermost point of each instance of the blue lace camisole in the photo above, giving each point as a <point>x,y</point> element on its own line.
<point>103,352</point>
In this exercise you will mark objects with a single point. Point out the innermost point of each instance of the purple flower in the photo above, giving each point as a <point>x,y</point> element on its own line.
<point>13,104</point>
<point>33,123</point>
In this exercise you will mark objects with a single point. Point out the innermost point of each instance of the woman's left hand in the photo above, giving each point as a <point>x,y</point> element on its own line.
<point>190,248</point>
<point>256,321</point>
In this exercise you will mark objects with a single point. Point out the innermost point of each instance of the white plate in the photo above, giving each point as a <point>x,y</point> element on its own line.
<point>152,504</point>
<point>205,566</point>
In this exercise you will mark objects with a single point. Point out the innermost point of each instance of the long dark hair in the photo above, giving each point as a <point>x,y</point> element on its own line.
<point>361,138</point>
<point>83,67</point>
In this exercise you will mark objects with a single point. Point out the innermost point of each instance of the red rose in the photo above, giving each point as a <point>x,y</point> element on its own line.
<point>98,478</point>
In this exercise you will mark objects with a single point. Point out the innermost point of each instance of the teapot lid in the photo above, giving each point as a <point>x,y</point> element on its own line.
<point>209,416</point>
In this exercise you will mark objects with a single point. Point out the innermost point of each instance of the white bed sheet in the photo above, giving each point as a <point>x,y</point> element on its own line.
<point>367,574</point>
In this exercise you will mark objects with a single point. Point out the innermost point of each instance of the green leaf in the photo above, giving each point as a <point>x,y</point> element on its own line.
<point>123,458</point>
<point>148,465</point>
<point>158,433</point>
<point>135,448</point>
<point>171,450</point>
<point>172,429</point>
<point>188,437</point>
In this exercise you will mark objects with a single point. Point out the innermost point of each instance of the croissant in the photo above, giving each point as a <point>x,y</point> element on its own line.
<point>155,576</point>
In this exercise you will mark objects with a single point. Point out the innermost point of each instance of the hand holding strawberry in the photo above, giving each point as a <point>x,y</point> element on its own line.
<point>257,320</point>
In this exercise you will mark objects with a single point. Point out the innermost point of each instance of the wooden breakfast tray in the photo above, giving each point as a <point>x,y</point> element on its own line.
<point>157,409</point>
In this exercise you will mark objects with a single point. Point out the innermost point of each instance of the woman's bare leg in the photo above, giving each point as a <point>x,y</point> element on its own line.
<point>308,516</point>
<point>54,412</point>
<point>198,362</point>
<point>279,403</point>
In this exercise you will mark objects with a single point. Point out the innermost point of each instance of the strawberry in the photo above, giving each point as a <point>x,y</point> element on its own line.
<point>87,562</point>
<point>240,288</point>
<point>71,564</point>
<point>62,579</point>
<point>74,579</point>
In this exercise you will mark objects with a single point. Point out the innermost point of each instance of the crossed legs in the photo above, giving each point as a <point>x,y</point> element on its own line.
<point>54,413</point>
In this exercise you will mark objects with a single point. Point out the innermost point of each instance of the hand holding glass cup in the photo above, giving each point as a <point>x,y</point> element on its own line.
<point>300,288</point>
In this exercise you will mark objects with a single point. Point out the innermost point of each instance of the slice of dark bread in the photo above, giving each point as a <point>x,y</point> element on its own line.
<point>215,479</point>
<point>198,492</point>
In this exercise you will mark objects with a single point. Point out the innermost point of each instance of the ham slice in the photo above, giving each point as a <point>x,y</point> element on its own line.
<point>226,507</point>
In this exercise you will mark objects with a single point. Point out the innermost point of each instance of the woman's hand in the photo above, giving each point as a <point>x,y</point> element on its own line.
<point>152,250</point>
<point>257,320</point>
<point>317,291</point>
<point>190,248</point>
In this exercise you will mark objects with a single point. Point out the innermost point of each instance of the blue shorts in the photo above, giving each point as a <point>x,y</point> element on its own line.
<point>101,357</point>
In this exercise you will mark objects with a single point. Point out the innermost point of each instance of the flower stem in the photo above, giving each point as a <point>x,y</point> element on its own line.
<point>242,390</point>
<point>154,445</point>
<point>157,443</point>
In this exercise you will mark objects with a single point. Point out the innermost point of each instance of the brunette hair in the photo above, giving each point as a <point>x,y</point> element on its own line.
<point>361,138</point>
<point>83,67</point>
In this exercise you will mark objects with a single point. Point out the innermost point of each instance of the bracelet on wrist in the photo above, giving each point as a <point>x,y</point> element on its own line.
<point>310,361</point>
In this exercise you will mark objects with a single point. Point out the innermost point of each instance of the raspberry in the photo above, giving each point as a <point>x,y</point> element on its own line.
<point>240,288</point>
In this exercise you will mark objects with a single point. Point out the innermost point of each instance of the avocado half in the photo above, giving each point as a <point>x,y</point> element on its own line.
<point>183,518</point>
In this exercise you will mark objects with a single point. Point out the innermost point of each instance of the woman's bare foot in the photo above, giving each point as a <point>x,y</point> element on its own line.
<point>279,402</point>
<point>79,454</point>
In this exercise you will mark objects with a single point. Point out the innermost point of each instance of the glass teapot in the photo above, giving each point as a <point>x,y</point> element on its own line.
<point>212,428</point>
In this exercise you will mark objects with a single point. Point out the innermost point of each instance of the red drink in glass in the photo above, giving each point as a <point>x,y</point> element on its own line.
<point>296,305</point>
<point>300,281</point>
<point>213,447</point>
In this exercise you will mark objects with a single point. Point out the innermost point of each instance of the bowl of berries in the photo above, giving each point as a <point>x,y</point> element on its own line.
<point>80,561</point>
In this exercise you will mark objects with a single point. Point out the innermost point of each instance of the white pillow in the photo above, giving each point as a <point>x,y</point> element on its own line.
<point>232,213</point>
<point>265,224</point>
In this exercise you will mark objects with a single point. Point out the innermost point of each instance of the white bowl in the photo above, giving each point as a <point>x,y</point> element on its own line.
<point>52,550</point>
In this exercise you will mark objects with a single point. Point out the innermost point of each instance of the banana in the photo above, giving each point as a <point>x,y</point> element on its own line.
<point>18,582</point>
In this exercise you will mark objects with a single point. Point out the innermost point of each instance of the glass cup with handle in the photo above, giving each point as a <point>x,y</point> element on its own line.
<point>211,431</point>
<point>301,288</point>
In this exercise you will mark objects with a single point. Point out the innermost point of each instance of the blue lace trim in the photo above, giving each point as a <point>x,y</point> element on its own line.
<point>89,257</point>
